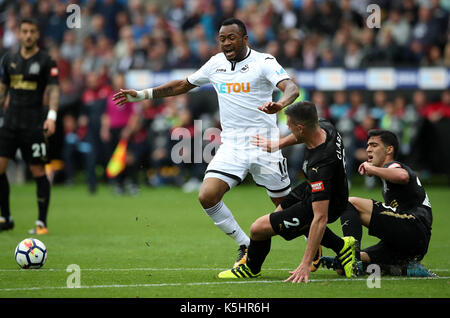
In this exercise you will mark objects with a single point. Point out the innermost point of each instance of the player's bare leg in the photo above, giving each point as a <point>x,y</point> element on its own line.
<point>3,164</point>
<point>364,207</point>
<point>211,192</point>
<point>277,201</point>
<point>261,229</point>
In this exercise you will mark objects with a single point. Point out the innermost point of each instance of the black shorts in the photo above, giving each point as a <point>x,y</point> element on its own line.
<point>297,214</point>
<point>403,235</point>
<point>32,144</point>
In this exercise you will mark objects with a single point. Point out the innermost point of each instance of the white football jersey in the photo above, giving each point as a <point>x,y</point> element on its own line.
<point>241,87</point>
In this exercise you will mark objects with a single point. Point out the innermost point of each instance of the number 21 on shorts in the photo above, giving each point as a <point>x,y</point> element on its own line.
<point>39,150</point>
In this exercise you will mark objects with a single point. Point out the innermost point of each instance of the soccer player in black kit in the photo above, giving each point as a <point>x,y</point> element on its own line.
<point>26,76</point>
<point>403,221</point>
<point>311,205</point>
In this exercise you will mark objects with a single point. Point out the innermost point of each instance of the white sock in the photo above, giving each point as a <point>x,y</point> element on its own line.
<point>225,221</point>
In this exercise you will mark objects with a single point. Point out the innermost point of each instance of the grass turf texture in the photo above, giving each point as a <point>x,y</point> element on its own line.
<point>162,245</point>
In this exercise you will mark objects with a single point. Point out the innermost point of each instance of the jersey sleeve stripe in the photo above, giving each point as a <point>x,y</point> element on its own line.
<point>287,78</point>
<point>187,79</point>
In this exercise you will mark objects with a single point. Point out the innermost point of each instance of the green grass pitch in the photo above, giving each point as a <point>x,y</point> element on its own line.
<point>162,245</point>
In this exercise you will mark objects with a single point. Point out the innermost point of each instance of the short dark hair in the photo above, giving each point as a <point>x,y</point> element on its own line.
<point>239,23</point>
<point>388,138</point>
<point>304,113</point>
<point>29,21</point>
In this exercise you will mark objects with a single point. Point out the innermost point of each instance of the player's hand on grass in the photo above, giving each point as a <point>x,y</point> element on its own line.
<point>122,96</point>
<point>49,127</point>
<point>265,144</point>
<point>300,274</point>
<point>271,107</point>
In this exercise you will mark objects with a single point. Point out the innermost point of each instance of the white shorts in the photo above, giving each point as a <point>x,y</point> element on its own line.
<point>269,170</point>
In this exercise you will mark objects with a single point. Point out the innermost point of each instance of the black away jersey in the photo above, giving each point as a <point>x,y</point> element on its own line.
<point>406,197</point>
<point>26,80</point>
<point>324,168</point>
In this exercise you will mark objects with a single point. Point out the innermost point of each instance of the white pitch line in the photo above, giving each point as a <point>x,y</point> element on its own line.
<point>165,269</point>
<point>256,281</point>
<point>136,269</point>
<point>115,269</point>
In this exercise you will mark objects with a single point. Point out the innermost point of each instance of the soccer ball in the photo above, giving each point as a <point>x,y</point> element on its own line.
<point>30,253</point>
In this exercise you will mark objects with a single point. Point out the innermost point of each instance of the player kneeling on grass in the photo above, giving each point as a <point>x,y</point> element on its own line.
<point>403,222</point>
<point>311,205</point>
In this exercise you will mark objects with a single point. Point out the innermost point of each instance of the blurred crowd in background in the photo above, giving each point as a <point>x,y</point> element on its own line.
<point>119,36</point>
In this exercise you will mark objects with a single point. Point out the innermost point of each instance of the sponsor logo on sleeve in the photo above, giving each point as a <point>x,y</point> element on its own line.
<point>280,72</point>
<point>317,186</point>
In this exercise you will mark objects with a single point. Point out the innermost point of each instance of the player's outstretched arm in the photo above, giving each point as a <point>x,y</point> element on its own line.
<point>290,93</point>
<point>172,88</point>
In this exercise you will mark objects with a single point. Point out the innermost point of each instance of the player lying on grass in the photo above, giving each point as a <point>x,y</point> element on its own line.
<point>311,205</point>
<point>403,221</point>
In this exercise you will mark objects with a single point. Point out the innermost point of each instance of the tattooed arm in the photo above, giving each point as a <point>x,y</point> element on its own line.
<point>172,88</point>
<point>53,102</point>
<point>176,87</point>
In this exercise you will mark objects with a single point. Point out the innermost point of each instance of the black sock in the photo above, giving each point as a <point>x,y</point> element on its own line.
<point>4,196</point>
<point>331,240</point>
<point>43,197</point>
<point>351,226</point>
<point>351,223</point>
<point>257,252</point>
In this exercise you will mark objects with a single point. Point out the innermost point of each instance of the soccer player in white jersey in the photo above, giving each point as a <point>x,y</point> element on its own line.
<point>244,80</point>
